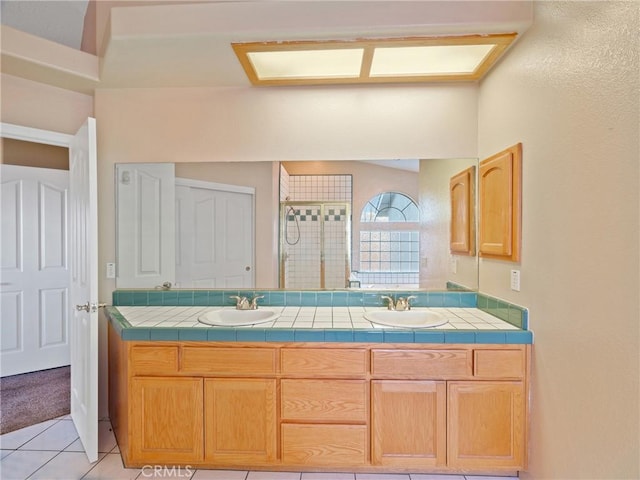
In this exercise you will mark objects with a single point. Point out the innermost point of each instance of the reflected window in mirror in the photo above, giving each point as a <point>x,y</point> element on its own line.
<point>389,241</point>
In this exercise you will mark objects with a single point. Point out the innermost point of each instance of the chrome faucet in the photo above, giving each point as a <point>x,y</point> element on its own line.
<point>243,303</point>
<point>401,303</point>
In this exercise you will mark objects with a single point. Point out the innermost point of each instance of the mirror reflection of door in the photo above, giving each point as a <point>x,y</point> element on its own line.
<point>189,233</point>
<point>214,236</point>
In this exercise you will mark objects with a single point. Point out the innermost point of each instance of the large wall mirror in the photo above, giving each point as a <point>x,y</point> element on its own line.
<point>295,225</point>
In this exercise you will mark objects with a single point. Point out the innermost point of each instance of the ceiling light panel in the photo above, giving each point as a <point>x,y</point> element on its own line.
<point>330,63</point>
<point>395,60</point>
<point>428,60</point>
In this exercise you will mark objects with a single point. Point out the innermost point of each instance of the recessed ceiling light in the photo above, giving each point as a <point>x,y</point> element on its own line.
<point>371,61</point>
<point>338,63</point>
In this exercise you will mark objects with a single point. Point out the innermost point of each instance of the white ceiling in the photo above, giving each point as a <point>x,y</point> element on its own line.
<point>60,21</point>
<point>189,44</point>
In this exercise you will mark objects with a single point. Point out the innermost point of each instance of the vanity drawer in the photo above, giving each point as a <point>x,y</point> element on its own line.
<point>228,361</point>
<point>324,361</point>
<point>324,445</point>
<point>499,363</point>
<point>153,360</point>
<point>324,400</point>
<point>421,363</point>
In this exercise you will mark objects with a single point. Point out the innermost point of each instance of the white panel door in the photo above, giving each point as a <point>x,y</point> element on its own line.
<point>35,274</point>
<point>214,238</point>
<point>145,224</point>
<point>83,247</point>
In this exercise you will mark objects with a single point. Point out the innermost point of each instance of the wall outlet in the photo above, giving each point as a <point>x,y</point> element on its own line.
<point>515,280</point>
<point>111,270</point>
<point>454,265</point>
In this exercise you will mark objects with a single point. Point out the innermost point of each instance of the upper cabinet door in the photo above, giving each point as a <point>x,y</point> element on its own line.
<point>500,185</point>
<point>461,192</point>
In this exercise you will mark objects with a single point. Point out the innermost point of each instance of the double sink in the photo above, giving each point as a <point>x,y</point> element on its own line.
<point>415,318</point>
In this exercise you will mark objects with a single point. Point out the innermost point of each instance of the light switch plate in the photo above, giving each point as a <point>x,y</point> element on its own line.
<point>111,270</point>
<point>515,280</point>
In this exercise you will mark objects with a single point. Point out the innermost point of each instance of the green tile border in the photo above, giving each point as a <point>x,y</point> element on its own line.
<point>514,314</point>
<point>325,298</point>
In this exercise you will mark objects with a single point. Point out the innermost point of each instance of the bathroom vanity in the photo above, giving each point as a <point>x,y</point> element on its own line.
<point>393,403</point>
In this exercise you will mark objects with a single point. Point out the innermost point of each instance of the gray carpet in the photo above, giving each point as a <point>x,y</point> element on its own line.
<point>31,398</point>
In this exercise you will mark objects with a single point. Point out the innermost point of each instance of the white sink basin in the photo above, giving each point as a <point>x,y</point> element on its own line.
<point>416,318</point>
<point>237,318</point>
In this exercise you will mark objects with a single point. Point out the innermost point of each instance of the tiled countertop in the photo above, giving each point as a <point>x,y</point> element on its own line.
<point>311,324</point>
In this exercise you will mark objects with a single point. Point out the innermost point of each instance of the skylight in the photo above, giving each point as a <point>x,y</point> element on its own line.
<point>371,61</point>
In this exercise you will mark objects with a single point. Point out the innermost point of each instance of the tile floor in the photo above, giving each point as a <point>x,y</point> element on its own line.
<point>52,451</point>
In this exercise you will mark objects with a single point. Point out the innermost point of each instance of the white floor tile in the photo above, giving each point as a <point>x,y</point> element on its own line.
<point>382,476</point>
<point>328,476</point>
<point>20,464</point>
<point>4,453</point>
<point>106,438</point>
<point>57,437</point>
<point>170,471</point>
<point>14,440</point>
<point>110,468</point>
<point>415,476</point>
<point>65,466</point>
<point>220,475</point>
<point>484,477</point>
<point>75,447</point>
<point>273,476</point>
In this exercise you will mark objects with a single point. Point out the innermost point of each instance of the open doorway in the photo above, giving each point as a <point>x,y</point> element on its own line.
<point>35,345</point>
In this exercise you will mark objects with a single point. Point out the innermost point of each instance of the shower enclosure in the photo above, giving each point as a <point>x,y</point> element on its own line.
<point>315,244</point>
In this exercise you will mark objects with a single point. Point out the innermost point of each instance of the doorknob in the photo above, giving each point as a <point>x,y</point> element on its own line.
<point>90,307</point>
<point>247,268</point>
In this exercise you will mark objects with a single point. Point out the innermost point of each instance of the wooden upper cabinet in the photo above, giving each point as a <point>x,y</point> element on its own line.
<point>462,192</point>
<point>500,185</point>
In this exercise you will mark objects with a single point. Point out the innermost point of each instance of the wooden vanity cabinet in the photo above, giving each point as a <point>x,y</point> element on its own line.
<point>437,408</point>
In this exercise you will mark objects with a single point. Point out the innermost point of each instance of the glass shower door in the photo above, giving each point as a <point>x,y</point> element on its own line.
<point>315,245</point>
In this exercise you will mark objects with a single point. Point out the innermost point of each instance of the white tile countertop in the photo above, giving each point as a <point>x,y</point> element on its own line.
<point>307,318</point>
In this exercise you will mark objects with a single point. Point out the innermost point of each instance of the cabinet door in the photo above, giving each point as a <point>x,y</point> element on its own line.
<point>486,424</point>
<point>166,420</point>
<point>500,181</point>
<point>408,423</point>
<point>240,420</point>
<point>462,231</point>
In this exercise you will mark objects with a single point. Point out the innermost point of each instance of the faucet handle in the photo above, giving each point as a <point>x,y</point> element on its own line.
<point>409,298</point>
<point>241,302</point>
<point>389,300</point>
<point>254,302</point>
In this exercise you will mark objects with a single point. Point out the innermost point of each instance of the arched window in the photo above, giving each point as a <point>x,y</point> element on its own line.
<point>390,207</point>
<point>389,240</point>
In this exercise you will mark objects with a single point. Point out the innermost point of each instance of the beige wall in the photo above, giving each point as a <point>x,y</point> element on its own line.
<point>35,105</point>
<point>569,91</point>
